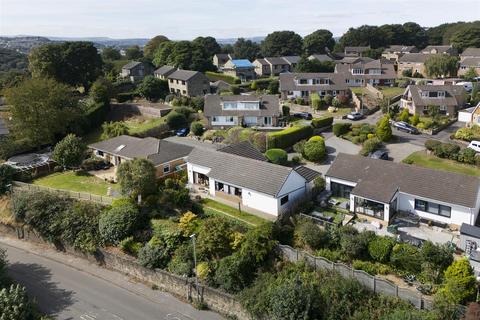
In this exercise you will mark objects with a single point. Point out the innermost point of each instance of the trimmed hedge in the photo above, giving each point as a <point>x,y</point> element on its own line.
<point>125,96</point>
<point>322,122</point>
<point>288,137</point>
<point>339,129</point>
<point>277,156</point>
<point>214,76</point>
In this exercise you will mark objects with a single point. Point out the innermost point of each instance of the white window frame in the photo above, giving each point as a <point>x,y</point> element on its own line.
<point>166,166</point>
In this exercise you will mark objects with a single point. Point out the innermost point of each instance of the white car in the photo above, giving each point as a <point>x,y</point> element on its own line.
<point>468,86</point>
<point>475,145</point>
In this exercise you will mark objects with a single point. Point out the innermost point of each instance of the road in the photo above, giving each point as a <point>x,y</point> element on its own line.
<point>72,288</point>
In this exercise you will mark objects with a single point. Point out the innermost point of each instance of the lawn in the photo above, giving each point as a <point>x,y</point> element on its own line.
<point>421,158</point>
<point>77,182</point>
<point>390,92</point>
<point>242,216</point>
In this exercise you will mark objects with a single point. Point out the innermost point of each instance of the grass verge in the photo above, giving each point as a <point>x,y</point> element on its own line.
<point>421,158</point>
<point>231,212</point>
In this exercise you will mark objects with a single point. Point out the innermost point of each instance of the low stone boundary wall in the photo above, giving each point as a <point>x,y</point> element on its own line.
<point>374,92</point>
<point>146,111</point>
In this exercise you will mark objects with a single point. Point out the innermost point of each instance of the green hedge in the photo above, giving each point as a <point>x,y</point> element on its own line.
<point>288,137</point>
<point>339,129</point>
<point>277,156</point>
<point>125,96</point>
<point>215,76</point>
<point>322,122</point>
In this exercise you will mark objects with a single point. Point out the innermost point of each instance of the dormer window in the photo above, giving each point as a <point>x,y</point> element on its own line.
<point>241,105</point>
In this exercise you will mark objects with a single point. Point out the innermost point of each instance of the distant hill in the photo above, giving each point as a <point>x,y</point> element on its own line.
<point>233,40</point>
<point>22,44</point>
<point>105,41</point>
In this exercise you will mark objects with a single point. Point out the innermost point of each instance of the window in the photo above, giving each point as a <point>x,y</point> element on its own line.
<point>441,94</point>
<point>284,200</point>
<point>100,153</point>
<point>267,121</point>
<point>433,208</point>
<point>443,108</point>
<point>303,81</point>
<point>166,168</point>
<point>184,91</point>
<point>183,82</point>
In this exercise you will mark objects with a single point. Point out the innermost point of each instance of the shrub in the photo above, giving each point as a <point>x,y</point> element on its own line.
<point>182,261</point>
<point>460,283</point>
<point>328,99</point>
<point>355,245</point>
<point>277,156</point>
<point>308,235</point>
<point>322,122</point>
<point>214,238</point>
<point>315,101</point>
<point>153,256</point>
<point>384,131</point>
<point>467,155</point>
<point>332,255</point>
<point>447,150</point>
<point>415,119</point>
<point>203,270</point>
<point>296,159</point>
<point>6,177</point>
<point>234,273</point>
<point>315,150</point>
<point>432,145</point>
<point>176,120</point>
<point>113,129</point>
<point>197,128</point>
<point>118,223</point>
<point>339,129</point>
<point>404,115</point>
<point>316,138</point>
<point>129,245</point>
<point>380,248</point>
<point>336,103</point>
<point>406,257</point>
<point>299,146</point>
<point>285,110</point>
<point>370,146</point>
<point>188,223</point>
<point>288,137</point>
<point>372,268</point>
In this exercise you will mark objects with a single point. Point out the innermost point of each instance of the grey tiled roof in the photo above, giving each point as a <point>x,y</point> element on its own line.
<point>440,49</point>
<point>260,176</point>
<point>244,149</point>
<point>400,48</point>
<point>321,57</point>
<point>470,230</point>
<point>388,70</point>
<point>307,173</point>
<point>379,179</point>
<point>415,57</point>
<point>158,151</point>
<point>269,105</point>
<point>351,60</point>
<point>471,52</point>
<point>357,49</point>
<point>451,92</point>
<point>184,75</point>
<point>276,60</point>
<point>262,61</point>
<point>292,59</point>
<point>473,62</point>
<point>131,65</point>
<point>287,81</point>
<point>165,70</point>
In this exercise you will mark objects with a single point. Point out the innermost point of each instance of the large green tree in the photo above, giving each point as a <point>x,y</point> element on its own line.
<point>208,44</point>
<point>384,131</point>
<point>70,151</point>
<point>101,91</point>
<point>246,49</point>
<point>41,110</point>
<point>137,176</point>
<point>152,45</point>
<point>306,65</point>
<point>133,53</point>
<point>318,41</point>
<point>73,63</point>
<point>110,53</point>
<point>467,37</point>
<point>441,66</point>
<point>153,88</point>
<point>282,43</point>
<point>184,55</point>
<point>363,36</point>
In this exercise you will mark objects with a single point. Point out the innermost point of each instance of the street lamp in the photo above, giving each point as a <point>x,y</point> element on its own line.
<point>195,261</point>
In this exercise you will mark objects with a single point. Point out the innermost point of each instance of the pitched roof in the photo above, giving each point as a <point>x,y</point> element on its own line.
<point>320,57</point>
<point>276,60</point>
<point>184,75</point>
<point>471,52</point>
<point>400,48</point>
<point>415,57</point>
<point>131,65</point>
<point>241,63</point>
<point>292,59</point>
<point>244,149</point>
<point>439,49</point>
<point>451,92</point>
<point>307,173</point>
<point>225,56</point>
<point>165,70</point>
<point>357,49</point>
<point>158,151</point>
<point>473,62</point>
<point>470,230</point>
<point>220,84</point>
<point>260,176</point>
<point>288,83</point>
<point>351,60</point>
<point>269,105</point>
<point>262,61</point>
<point>379,180</point>
<point>387,70</point>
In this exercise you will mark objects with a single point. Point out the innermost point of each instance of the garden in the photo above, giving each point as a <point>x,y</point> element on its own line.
<point>433,120</point>
<point>468,133</point>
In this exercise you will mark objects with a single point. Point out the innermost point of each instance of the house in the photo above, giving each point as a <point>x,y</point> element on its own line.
<point>353,60</point>
<point>244,149</point>
<point>448,49</point>
<point>470,244</point>
<point>418,98</point>
<point>292,61</point>
<point>220,59</point>
<point>242,110</point>
<point>379,189</point>
<point>394,52</point>
<point>470,115</point>
<point>273,66</point>
<point>414,62</point>
<point>467,64</point>
<point>293,85</point>
<point>470,53</point>
<point>219,85</point>
<point>376,72</point>
<point>320,57</point>
<point>355,51</point>
<point>167,157</point>
<point>188,83</point>
<point>240,68</point>
<point>262,186</point>
<point>136,71</point>
<point>163,72</point>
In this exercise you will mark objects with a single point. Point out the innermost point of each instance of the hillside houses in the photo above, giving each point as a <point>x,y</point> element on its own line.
<point>293,85</point>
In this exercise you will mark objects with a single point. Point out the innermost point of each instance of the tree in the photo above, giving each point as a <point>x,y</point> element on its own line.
<point>6,178</point>
<point>306,65</point>
<point>113,129</point>
<point>110,53</point>
<point>197,128</point>
<point>441,65</point>
<point>137,177</point>
<point>234,273</point>
<point>318,42</point>
<point>314,150</point>
<point>152,45</point>
<point>436,259</point>
<point>282,43</point>
<point>41,110</point>
<point>119,222</point>
<point>208,44</point>
<point>246,49</point>
<point>153,88</point>
<point>380,248</point>
<point>73,63</point>
<point>363,36</point>
<point>101,91</point>
<point>176,120</point>
<point>14,303</point>
<point>384,131</point>
<point>70,151</point>
<point>468,37</point>
<point>133,53</point>
<point>187,55</point>
<point>273,87</point>
<point>214,238</point>
<point>433,111</point>
<point>413,35</point>
<point>470,74</point>
<point>459,285</point>
<point>277,156</point>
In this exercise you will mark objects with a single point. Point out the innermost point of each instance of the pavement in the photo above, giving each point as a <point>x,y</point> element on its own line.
<point>70,288</point>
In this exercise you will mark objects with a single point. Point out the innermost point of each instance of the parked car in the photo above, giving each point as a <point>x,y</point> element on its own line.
<point>475,145</point>
<point>467,85</point>
<point>355,116</point>
<point>182,132</point>
<point>379,154</point>
<point>403,126</point>
<point>303,115</point>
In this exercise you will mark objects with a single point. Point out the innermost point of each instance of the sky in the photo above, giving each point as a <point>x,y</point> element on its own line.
<point>187,19</point>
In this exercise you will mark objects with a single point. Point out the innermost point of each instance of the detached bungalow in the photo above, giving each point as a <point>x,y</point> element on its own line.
<point>245,110</point>
<point>260,185</point>
<point>379,189</point>
<point>293,85</point>
<point>167,157</point>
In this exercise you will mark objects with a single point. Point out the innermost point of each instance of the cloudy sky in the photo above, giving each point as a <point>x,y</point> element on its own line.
<point>186,19</point>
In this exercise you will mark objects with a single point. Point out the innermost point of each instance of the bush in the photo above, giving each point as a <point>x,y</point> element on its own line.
<point>370,146</point>
<point>299,147</point>
<point>70,151</point>
<point>153,256</point>
<point>113,129</point>
<point>322,122</point>
<point>234,273</point>
<point>308,235</point>
<point>203,270</point>
<point>315,101</point>
<point>328,99</point>
<point>129,246</point>
<point>277,156</point>
<point>406,257</point>
<point>447,150</point>
<point>316,138</point>
<point>460,283</point>
<point>384,131</point>
<point>125,96</point>
<point>468,134</point>
<point>197,128</point>
<point>372,268</point>
<point>339,129</point>
<point>332,255</point>
<point>432,145</point>
<point>404,115</point>
<point>354,245</point>
<point>182,262</point>
<point>315,150</point>
<point>6,178</point>
<point>119,222</point>
<point>176,120</point>
<point>288,137</point>
<point>285,110</point>
<point>380,248</point>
